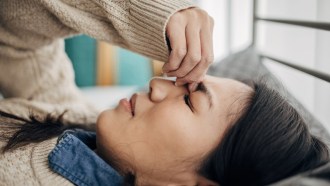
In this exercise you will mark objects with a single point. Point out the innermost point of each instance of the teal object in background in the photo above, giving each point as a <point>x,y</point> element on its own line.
<point>82,52</point>
<point>133,69</point>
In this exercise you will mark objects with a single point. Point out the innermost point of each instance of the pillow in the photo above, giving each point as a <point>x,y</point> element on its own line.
<point>246,65</point>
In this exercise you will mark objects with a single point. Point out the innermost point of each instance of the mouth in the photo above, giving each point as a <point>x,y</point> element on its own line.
<point>132,102</point>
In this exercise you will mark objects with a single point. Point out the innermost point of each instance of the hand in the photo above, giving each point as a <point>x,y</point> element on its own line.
<point>190,33</point>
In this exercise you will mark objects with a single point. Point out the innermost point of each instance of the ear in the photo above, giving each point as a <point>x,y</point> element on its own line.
<point>202,181</point>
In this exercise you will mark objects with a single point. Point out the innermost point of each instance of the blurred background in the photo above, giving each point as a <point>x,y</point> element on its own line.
<point>100,64</point>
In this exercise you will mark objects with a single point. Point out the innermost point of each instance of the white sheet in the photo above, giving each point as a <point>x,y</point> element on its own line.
<point>108,97</point>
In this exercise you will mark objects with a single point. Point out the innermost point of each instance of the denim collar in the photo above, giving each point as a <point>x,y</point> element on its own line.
<point>74,159</point>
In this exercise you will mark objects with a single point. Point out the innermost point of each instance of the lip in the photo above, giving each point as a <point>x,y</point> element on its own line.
<point>133,102</point>
<point>126,104</point>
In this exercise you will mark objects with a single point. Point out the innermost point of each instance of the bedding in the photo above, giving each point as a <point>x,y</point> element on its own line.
<point>246,64</point>
<point>108,96</point>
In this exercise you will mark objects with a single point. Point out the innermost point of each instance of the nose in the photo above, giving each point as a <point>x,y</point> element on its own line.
<point>161,89</point>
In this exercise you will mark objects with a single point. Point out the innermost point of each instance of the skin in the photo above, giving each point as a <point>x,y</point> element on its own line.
<point>190,33</point>
<point>165,141</point>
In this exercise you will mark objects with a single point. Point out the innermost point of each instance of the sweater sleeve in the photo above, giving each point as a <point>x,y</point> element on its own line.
<point>138,25</point>
<point>33,63</point>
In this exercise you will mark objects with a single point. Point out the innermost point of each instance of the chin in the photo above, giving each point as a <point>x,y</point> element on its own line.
<point>104,117</point>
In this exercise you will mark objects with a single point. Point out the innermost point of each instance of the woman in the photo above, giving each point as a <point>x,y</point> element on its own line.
<point>36,74</point>
<point>32,49</point>
<point>225,133</point>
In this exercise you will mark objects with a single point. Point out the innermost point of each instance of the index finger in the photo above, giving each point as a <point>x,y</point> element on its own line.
<point>177,38</point>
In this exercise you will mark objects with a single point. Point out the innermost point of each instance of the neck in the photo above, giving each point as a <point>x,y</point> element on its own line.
<point>114,162</point>
<point>165,178</point>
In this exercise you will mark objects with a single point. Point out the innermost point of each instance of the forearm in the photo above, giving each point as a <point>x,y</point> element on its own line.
<point>133,24</point>
<point>33,64</point>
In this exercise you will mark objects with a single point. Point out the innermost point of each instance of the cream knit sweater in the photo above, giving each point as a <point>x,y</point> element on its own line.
<point>36,74</point>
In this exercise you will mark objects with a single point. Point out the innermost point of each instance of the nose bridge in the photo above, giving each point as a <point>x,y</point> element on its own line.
<point>161,89</point>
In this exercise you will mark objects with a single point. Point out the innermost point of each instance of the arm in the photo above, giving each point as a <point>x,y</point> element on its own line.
<point>138,25</point>
<point>33,64</point>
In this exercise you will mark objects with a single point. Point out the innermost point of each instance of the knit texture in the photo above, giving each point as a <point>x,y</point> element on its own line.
<point>36,75</point>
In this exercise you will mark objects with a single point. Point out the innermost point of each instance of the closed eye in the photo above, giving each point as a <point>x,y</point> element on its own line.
<point>187,101</point>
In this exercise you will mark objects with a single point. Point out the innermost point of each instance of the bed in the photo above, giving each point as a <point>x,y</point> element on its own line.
<point>250,64</point>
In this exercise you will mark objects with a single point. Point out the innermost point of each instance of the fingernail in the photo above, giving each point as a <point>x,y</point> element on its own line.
<point>192,87</point>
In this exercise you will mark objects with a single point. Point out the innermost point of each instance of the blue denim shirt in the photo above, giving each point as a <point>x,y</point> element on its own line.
<point>74,159</point>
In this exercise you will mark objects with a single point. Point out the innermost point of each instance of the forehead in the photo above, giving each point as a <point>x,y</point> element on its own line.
<point>225,85</point>
<point>230,96</point>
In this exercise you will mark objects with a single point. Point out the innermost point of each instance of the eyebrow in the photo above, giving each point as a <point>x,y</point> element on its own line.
<point>201,87</point>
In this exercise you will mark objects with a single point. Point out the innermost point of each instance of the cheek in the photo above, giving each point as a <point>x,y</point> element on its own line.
<point>178,131</point>
<point>169,113</point>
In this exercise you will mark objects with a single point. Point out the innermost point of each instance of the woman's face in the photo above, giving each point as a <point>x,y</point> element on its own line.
<point>166,132</point>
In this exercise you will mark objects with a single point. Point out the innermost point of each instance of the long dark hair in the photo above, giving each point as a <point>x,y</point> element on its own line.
<point>269,142</point>
<point>20,131</point>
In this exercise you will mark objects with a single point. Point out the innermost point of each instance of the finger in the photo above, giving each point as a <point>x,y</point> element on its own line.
<point>196,75</point>
<point>177,38</point>
<point>193,56</point>
<point>207,44</point>
<point>207,58</point>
